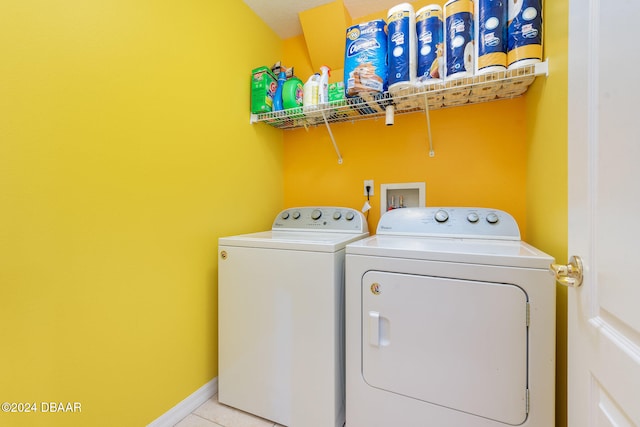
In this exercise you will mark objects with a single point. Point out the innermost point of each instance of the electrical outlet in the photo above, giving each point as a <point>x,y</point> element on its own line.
<point>368,183</point>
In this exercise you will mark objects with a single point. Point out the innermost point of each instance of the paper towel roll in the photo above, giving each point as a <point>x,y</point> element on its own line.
<point>486,88</point>
<point>408,104</point>
<point>401,45</point>
<point>404,99</point>
<point>455,102</point>
<point>511,93</point>
<point>490,36</point>
<point>430,39</point>
<point>433,92</point>
<point>482,98</point>
<point>459,50</point>
<point>524,33</point>
<point>459,93</point>
<point>434,99</point>
<point>512,85</point>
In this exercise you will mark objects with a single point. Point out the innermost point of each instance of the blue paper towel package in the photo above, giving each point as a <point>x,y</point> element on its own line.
<point>401,46</point>
<point>365,62</point>
<point>429,30</point>
<point>491,26</point>
<point>524,32</point>
<point>459,49</point>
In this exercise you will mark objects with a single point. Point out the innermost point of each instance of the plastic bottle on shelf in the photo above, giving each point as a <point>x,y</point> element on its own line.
<point>292,93</point>
<point>277,99</point>
<point>323,95</point>
<point>310,92</point>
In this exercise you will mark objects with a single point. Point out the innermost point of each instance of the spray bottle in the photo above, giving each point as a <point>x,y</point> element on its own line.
<point>277,99</point>
<point>324,85</point>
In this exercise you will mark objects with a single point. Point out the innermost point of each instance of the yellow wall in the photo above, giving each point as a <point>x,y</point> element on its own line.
<point>476,162</point>
<point>125,152</point>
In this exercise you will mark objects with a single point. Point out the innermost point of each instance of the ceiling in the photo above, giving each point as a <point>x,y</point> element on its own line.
<point>282,15</point>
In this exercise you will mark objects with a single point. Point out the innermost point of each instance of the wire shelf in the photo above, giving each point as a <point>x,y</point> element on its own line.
<point>430,96</point>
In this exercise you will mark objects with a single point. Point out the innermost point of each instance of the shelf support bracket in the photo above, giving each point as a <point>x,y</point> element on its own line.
<point>333,140</point>
<point>542,68</point>
<point>426,113</point>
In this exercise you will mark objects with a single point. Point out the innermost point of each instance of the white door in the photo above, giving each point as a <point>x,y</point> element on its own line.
<point>604,204</point>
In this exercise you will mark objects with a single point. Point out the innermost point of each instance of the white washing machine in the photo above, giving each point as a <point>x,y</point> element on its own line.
<point>281,317</point>
<point>450,322</point>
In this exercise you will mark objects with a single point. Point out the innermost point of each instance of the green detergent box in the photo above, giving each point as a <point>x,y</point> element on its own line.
<point>336,91</point>
<point>263,89</point>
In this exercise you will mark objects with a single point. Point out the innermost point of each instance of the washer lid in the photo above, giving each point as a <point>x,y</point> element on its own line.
<point>294,240</point>
<point>508,253</point>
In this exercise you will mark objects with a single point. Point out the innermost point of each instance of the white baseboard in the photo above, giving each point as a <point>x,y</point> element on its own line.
<point>187,406</point>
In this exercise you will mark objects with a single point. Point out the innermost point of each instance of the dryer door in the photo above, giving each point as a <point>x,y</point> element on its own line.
<point>459,344</point>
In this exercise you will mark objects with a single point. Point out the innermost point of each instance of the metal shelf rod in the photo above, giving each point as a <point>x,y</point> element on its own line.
<point>333,140</point>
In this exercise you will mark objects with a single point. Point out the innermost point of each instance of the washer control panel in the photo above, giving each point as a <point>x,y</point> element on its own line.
<point>321,218</point>
<point>450,222</point>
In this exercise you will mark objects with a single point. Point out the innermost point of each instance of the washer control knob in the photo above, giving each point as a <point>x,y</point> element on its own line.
<point>442,216</point>
<point>337,215</point>
<point>285,215</point>
<point>296,215</point>
<point>349,216</point>
<point>473,217</point>
<point>492,218</point>
<point>316,214</point>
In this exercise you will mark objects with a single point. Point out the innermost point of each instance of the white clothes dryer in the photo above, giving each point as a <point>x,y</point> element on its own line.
<point>281,317</point>
<point>450,322</point>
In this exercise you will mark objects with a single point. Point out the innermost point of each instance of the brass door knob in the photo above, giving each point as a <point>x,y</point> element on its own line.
<point>568,275</point>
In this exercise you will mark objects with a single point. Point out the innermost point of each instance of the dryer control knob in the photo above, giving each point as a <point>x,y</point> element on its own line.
<point>285,215</point>
<point>492,218</point>
<point>349,216</point>
<point>442,216</point>
<point>316,214</point>
<point>337,215</point>
<point>473,217</point>
<point>296,215</point>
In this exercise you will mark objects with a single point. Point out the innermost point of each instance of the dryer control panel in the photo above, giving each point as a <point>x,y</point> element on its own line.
<point>321,218</point>
<point>480,223</point>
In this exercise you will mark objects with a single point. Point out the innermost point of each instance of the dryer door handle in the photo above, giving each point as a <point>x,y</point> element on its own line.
<point>374,328</point>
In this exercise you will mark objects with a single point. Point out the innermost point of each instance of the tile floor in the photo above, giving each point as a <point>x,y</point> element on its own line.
<point>214,414</point>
